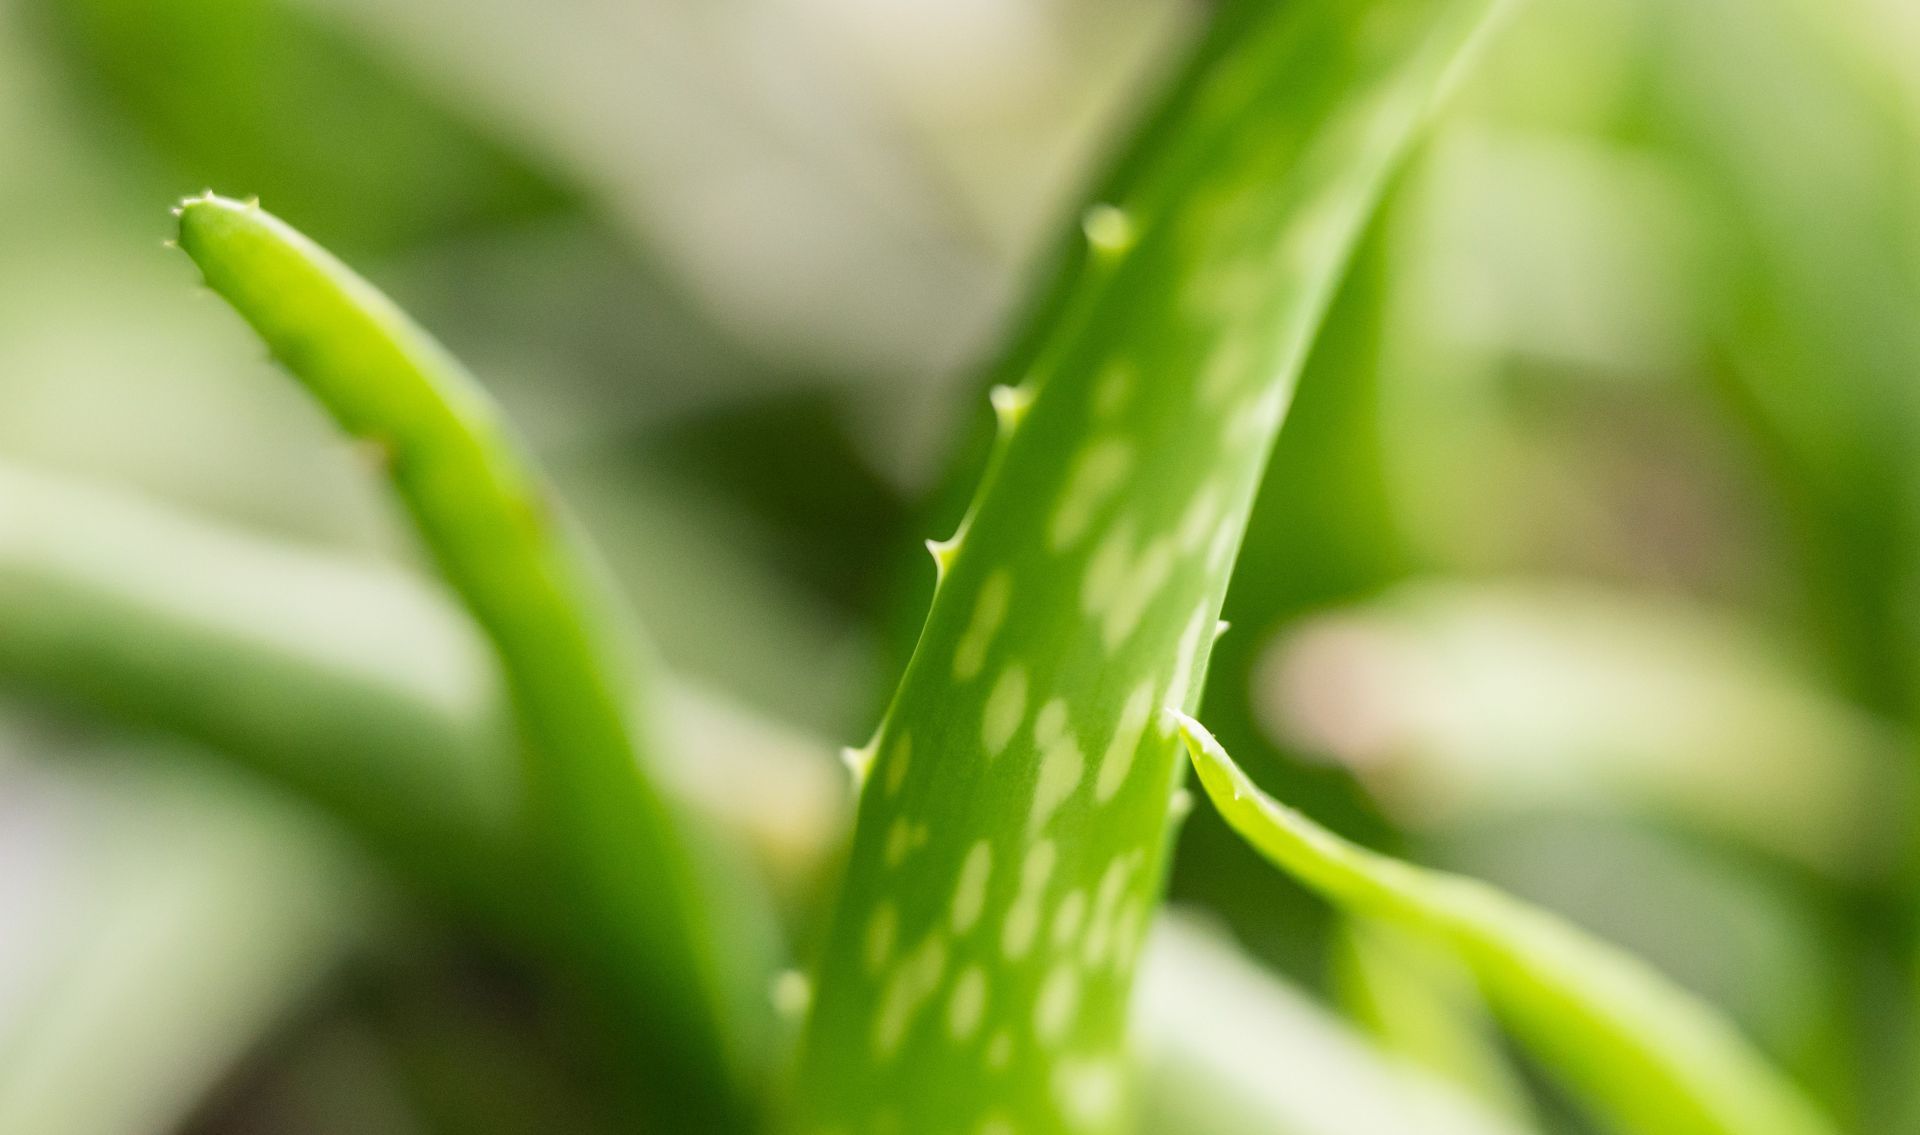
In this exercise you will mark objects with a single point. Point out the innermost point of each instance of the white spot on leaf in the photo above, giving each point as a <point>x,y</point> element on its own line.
<point>1088,1092</point>
<point>1131,599</point>
<point>881,930</point>
<point>1118,761</point>
<point>970,893</point>
<point>1106,902</point>
<point>1023,917</point>
<point>791,994</point>
<point>1006,707</point>
<point>989,611</point>
<point>913,981</point>
<point>1068,917</point>
<point>1198,521</point>
<point>1093,478</point>
<point>898,762</point>
<point>1059,1000</point>
<point>1111,392</point>
<point>1230,365</point>
<point>967,1006</point>
<point>899,834</point>
<point>1061,768</point>
<point>1050,727</point>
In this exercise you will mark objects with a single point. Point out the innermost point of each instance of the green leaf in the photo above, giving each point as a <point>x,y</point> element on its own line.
<point>624,871</point>
<point>347,684</point>
<point>1011,836</point>
<point>1644,1053</point>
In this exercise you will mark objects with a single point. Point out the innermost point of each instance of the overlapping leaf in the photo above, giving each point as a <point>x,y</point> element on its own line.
<point>1644,1053</point>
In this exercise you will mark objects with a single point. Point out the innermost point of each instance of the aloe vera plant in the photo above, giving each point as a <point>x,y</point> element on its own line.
<point>634,916</point>
<point>1018,796</point>
<point>85,572</point>
<point>986,965</point>
<point>1646,1054</point>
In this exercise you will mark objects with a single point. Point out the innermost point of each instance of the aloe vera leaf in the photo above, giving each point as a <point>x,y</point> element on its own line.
<point>1012,831</point>
<point>1645,1054</point>
<point>622,867</point>
<point>128,607</point>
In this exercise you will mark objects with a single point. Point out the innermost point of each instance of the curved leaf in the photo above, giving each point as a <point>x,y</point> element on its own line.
<point>1644,1053</point>
<point>624,870</point>
<point>224,650</point>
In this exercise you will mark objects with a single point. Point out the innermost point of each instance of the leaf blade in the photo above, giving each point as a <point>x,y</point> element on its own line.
<point>1084,587</point>
<point>1640,1050</point>
<point>622,865</point>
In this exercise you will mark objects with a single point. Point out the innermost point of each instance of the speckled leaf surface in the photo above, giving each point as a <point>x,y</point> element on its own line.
<point>1644,1053</point>
<point>1018,798</point>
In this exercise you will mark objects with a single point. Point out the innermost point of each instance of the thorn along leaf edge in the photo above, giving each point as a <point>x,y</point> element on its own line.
<point>1012,829</point>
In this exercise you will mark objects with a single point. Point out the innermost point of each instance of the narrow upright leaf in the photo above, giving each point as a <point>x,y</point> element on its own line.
<point>637,922</point>
<point>1017,799</point>
<point>1644,1053</point>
